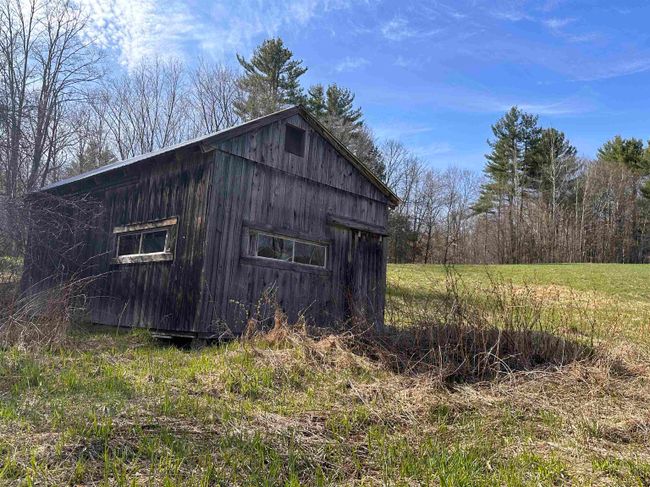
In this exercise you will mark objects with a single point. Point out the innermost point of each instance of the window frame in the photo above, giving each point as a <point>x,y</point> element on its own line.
<point>253,249</point>
<point>141,234</point>
<point>168,225</point>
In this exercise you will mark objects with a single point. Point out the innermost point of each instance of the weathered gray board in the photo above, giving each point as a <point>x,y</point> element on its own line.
<point>233,185</point>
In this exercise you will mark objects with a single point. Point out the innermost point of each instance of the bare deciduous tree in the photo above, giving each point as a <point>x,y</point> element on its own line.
<point>44,62</point>
<point>213,92</point>
<point>146,109</point>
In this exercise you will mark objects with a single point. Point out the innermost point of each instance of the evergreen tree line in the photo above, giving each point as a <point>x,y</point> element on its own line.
<point>536,202</point>
<point>61,114</point>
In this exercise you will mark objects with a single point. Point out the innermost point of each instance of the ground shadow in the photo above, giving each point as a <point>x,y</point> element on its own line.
<point>461,353</point>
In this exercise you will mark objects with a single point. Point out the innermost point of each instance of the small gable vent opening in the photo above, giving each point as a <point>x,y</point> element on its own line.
<point>294,140</point>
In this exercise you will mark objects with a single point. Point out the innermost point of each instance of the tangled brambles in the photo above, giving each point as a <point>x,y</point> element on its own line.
<point>464,336</point>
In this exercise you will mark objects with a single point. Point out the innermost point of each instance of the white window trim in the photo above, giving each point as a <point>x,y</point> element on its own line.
<point>141,234</point>
<point>141,229</point>
<point>253,252</point>
<point>155,224</point>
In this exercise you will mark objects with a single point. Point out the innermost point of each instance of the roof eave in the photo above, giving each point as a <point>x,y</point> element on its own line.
<point>208,142</point>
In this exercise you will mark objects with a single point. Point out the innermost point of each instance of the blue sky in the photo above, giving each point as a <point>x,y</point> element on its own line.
<point>434,74</point>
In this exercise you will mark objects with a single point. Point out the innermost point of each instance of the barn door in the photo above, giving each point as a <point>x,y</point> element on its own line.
<point>366,277</point>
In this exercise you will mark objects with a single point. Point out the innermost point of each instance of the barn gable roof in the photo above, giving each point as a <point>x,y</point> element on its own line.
<point>207,142</point>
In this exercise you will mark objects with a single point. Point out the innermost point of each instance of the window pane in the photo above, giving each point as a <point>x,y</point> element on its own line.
<point>154,242</point>
<point>252,243</point>
<point>274,247</point>
<point>128,244</point>
<point>310,254</point>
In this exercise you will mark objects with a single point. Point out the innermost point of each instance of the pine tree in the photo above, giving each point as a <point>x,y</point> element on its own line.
<point>340,107</point>
<point>515,136</point>
<point>334,107</point>
<point>316,103</point>
<point>632,154</point>
<point>270,81</point>
<point>627,151</point>
<point>553,165</point>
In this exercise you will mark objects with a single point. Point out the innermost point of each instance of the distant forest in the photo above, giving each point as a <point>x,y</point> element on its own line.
<point>62,113</point>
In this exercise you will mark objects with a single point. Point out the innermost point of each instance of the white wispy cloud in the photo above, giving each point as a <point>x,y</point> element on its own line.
<point>615,69</point>
<point>399,28</point>
<point>518,10</point>
<point>477,101</point>
<point>462,99</point>
<point>433,149</point>
<point>558,27</point>
<point>511,15</point>
<point>557,23</point>
<point>562,107</point>
<point>586,37</point>
<point>549,5</point>
<point>351,63</point>
<point>405,62</point>
<point>399,129</point>
<point>139,29</point>
<point>440,8</point>
<point>491,104</point>
<point>510,10</point>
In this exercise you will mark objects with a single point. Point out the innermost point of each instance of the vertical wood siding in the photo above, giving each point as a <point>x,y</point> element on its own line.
<point>256,184</point>
<point>155,295</point>
<point>158,295</point>
<point>247,182</point>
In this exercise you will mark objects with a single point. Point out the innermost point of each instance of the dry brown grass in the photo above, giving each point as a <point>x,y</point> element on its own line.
<point>583,400</point>
<point>479,390</point>
<point>41,319</point>
<point>584,412</point>
<point>248,410</point>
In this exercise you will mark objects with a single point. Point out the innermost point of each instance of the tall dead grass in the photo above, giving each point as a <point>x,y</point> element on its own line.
<point>461,333</point>
<point>41,319</point>
<point>456,332</point>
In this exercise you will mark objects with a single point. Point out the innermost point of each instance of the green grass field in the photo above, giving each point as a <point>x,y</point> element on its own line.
<point>123,409</point>
<point>613,298</point>
<point>628,282</point>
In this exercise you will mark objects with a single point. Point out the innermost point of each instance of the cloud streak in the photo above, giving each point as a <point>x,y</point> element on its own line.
<point>137,30</point>
<point>351,64</point>
<point>400,130</point>
<point>555,23</point>
<point>458,99</point>
<point>625,68</point>
<point>399,29</point>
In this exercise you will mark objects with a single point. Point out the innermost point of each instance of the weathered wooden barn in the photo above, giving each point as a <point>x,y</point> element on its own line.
<point>186,239</point>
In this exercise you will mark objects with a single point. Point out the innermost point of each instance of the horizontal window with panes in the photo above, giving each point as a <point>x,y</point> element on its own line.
<point>142,243</point>
<point>287,249</point>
